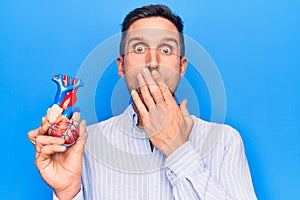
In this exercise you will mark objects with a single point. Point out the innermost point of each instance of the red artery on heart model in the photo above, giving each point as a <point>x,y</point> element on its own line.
<point>63,117</point>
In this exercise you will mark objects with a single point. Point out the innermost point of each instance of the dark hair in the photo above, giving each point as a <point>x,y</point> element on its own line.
<point>152,11</point>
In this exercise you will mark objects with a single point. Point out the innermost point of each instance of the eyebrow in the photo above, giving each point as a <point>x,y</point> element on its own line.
<point>134,39</point>
<point>164,39</point>
<point>171,40</point>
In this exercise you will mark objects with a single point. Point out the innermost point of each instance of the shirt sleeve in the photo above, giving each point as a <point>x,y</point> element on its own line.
<point>190,177</point>
<point>79,196</point>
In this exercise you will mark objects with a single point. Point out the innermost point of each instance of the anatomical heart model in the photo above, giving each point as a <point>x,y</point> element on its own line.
<point>63,116</point>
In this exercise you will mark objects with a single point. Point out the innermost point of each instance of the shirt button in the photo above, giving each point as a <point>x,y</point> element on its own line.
<point>203,165</point>
<point>170,173</point>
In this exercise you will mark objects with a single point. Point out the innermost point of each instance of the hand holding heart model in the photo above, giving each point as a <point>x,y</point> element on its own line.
<point>63,117</point>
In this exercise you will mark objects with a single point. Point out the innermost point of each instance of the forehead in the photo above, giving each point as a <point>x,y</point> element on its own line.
<point>154,28</point>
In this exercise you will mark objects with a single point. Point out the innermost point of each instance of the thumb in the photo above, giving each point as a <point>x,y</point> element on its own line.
<point>82,131</point>
<point>187,119</point>
<point>81,140</point>
<point>185,113</point>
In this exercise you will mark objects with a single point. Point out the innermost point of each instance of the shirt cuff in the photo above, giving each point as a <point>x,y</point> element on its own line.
<point>183,161</point>
<point>79,196</point>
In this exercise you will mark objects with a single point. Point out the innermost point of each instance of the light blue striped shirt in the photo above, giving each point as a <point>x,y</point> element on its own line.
<point>119,164</point>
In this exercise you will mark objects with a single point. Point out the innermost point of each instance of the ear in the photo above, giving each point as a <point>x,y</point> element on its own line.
<point>184,63</point>
<point>120,66</point>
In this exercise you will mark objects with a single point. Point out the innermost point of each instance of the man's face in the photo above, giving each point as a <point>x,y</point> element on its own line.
<point>153,43</point>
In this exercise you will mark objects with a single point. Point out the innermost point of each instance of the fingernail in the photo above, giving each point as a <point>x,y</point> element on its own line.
<point>133,92</point>
<point>154,73</point>
<point>146,70</point>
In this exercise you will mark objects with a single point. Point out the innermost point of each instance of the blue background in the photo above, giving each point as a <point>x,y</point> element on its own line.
<point>255,45</point>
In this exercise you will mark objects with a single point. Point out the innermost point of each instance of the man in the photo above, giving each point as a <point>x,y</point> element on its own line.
<point>189,158</point>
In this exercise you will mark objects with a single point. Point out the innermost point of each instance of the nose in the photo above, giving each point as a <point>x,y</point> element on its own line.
<point>152,59</point>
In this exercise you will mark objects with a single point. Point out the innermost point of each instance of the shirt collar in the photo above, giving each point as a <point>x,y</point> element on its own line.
<point>128,123</point>
<point>133,115</point>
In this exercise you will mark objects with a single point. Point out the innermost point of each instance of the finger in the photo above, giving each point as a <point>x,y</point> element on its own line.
<point>43,121</point>
<point>142,111</point>
<point>79,145</point>
<point>43,140</point>
<point>186,116</point>
<point>47,151</point>
<point>44,125</point>
<point>83,132</point>
<point>153,87</point>
<point>32,135</point>
<point>166,93</point>
<point>148,100</point>
<point>42,130</point>
<point>184,111</point>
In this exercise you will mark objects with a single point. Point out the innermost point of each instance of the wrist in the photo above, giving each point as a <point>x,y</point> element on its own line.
<point>70,192</point>
<point>172,147</point>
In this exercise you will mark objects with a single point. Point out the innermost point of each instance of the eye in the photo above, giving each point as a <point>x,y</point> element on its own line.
<point>139,48</point>
<point>166,50</point>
